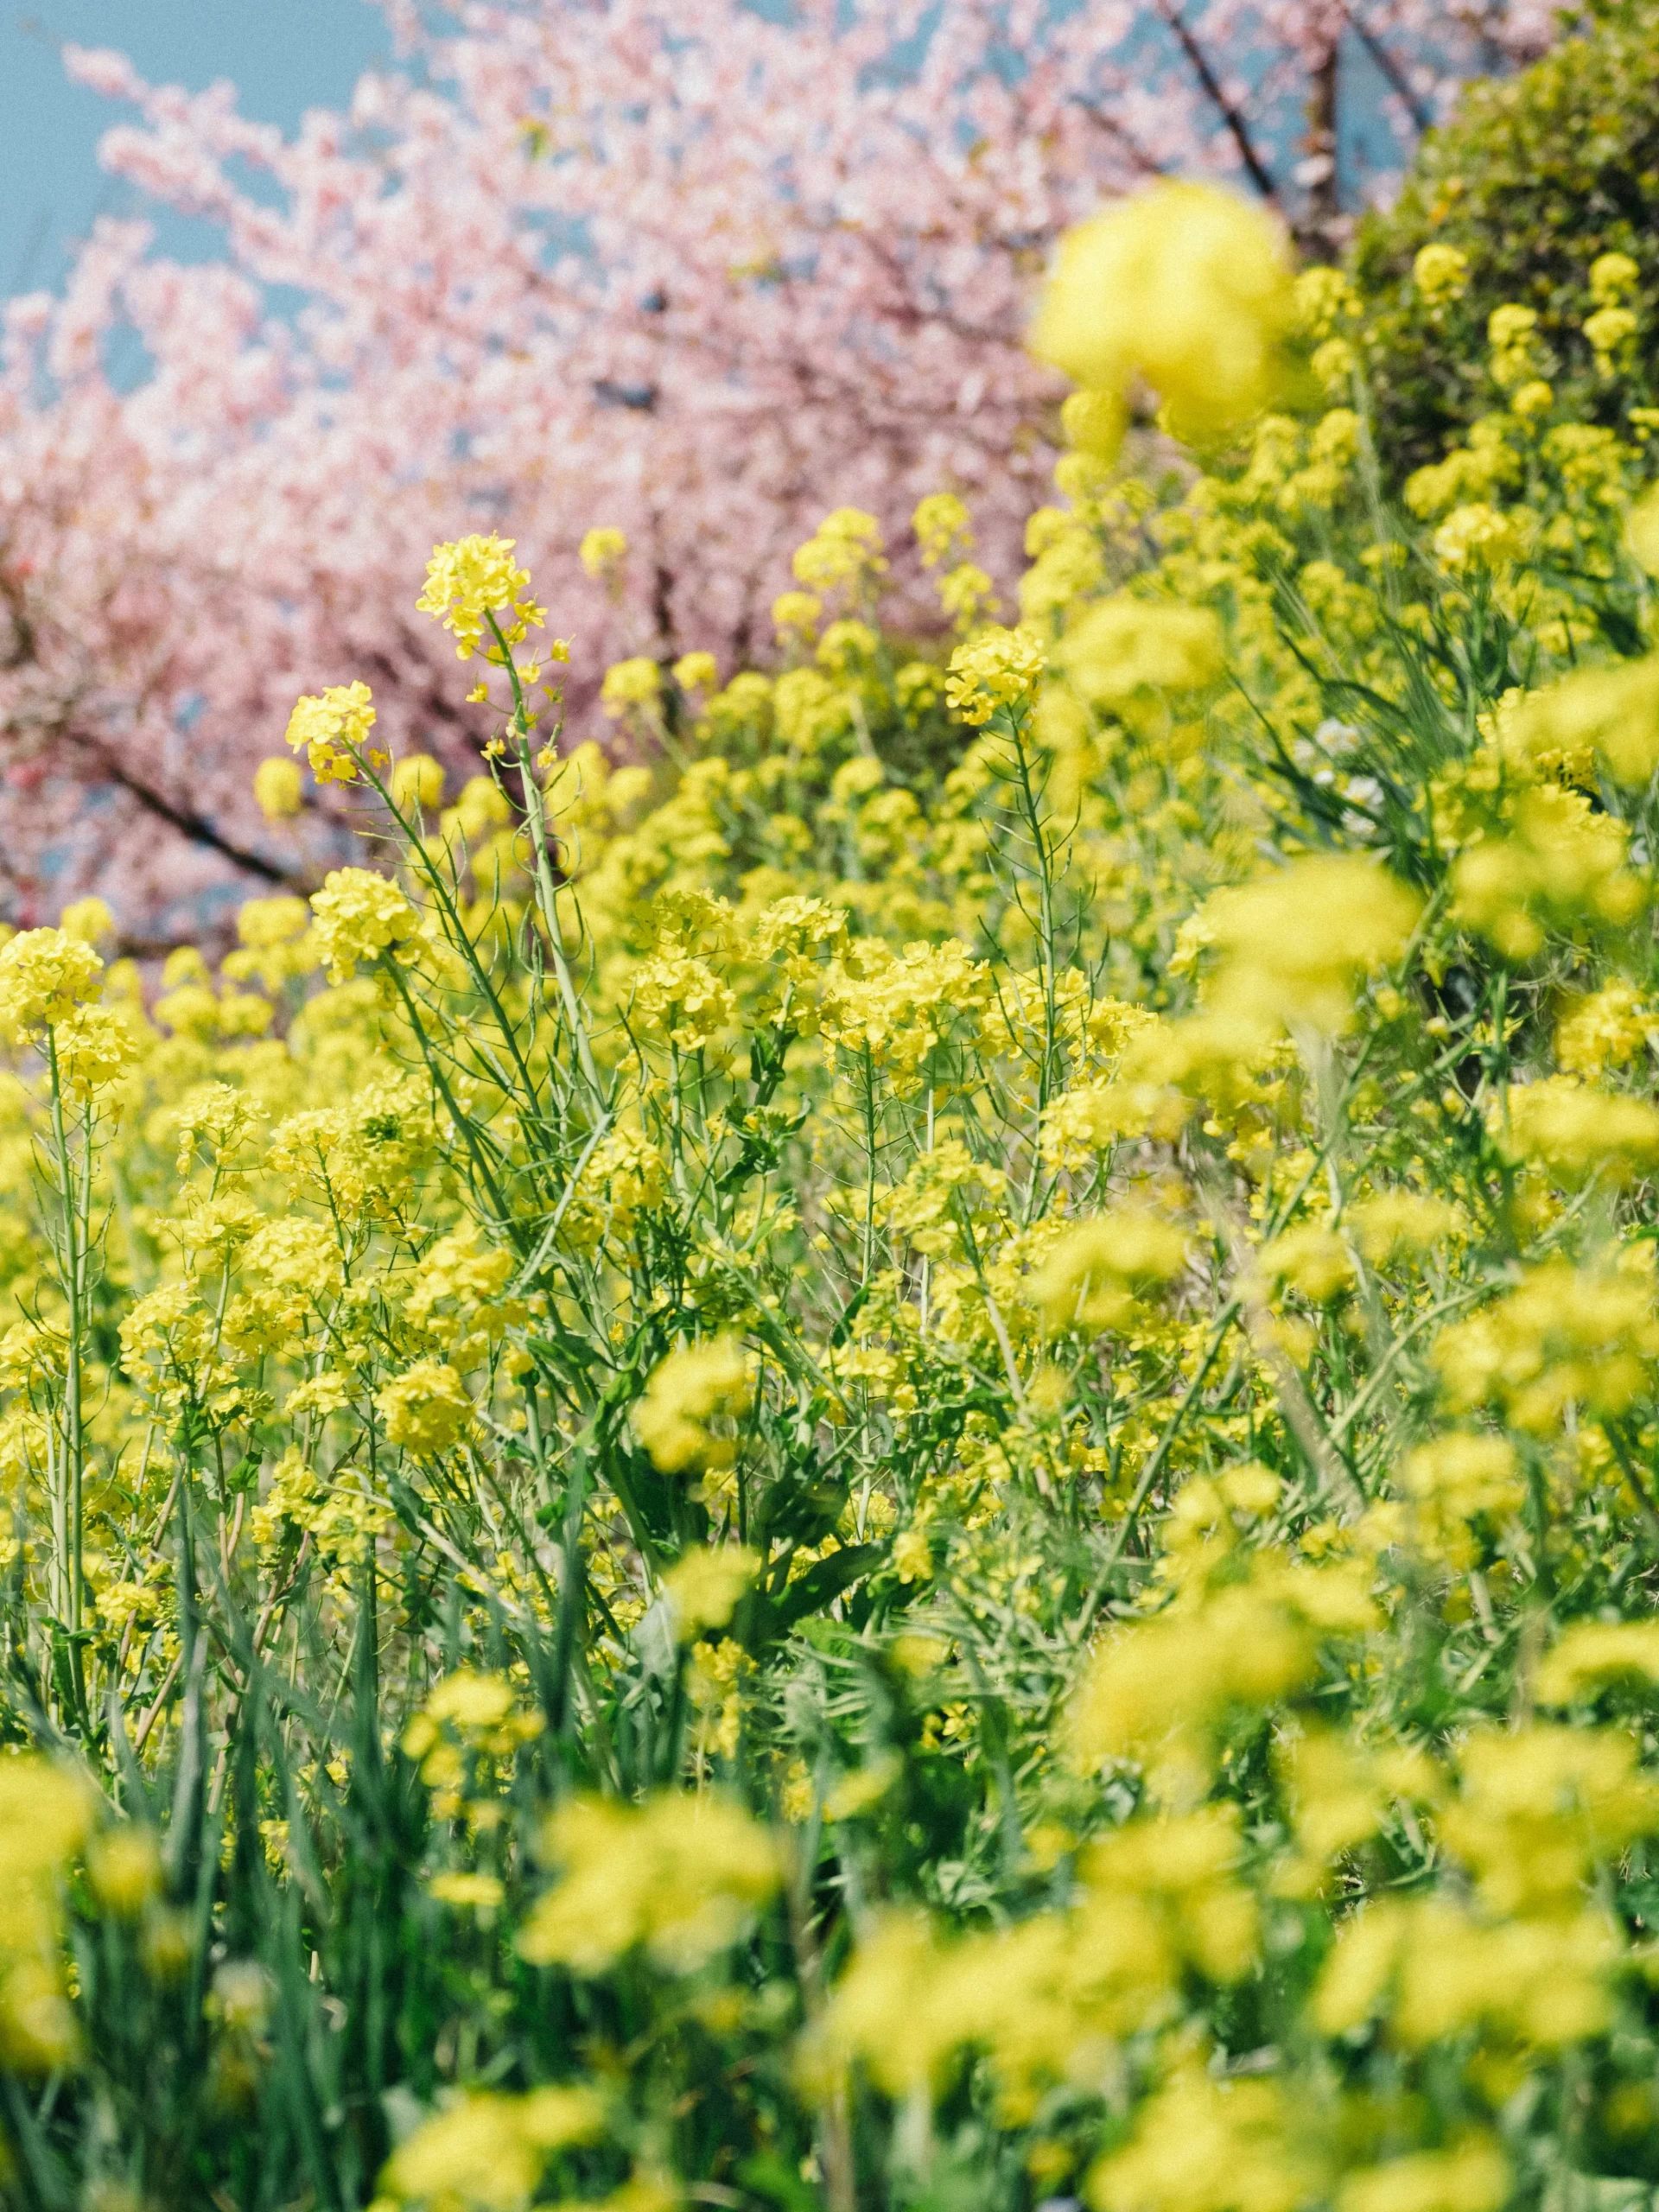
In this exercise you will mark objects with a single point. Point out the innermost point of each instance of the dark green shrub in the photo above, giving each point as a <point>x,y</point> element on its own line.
<point>1538,175</point>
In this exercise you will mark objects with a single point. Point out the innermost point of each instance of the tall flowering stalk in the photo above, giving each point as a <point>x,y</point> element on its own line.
<point>48,988</point>
<point>70,1167</point>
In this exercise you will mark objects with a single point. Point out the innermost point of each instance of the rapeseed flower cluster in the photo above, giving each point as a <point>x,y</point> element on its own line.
<point>475,583</point>
<point>689,1390</point>
<point>334,728</point>
<point>680,1877</point>
<point>1186,286</point>
<point>46,976</point>
<point>998,669</point>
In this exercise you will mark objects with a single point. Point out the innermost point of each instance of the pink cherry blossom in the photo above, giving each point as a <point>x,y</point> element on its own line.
<point>701,274</point>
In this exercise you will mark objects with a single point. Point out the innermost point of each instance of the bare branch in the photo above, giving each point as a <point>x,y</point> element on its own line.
<point>196,828</point>
<point>1390,69</point>
<point>1138,155</point>
<point>1259,174</point>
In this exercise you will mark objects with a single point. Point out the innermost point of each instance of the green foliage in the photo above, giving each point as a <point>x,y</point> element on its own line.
<point>1537,175</point>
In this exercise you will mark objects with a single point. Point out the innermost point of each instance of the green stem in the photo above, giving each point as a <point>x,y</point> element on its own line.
<point>71,1270</point>
<point>546,890</point>
<point>1028,797</point>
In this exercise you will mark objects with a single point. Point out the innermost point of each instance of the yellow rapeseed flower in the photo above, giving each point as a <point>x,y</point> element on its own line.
<point>1185,285</point>
<point>1293,945</point>
<point>45,975</point>
<point>703,1588</point>
<point>1091,1278</point>
<point>1440,274</point>
<point>1594,1655</point>
<point>845,551</point>
<point>602,551</point>
<point>697,672</point>
<point>426,1408</point>
<point>472,579</point>
<point>1204,2146</point>
<point>630,684</point>
<point>89,920</point>
<point>1124,645</point>
<point>687,1390</point>
<point>416,781</point>
<point>1613,276</point>
<point>996,669</point>
<point>680,1876</point>
<point>357,916</point>
<point>943,526</point>
<point>278,789</point>
<point>333,726</point>
<point>1575,1132</point>
<point>1471,2175</point>
<point>1614,711</point>
<point>486,2152</point>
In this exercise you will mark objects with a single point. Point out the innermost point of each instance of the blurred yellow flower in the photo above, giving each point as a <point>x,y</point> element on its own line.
<point>278,789</point>
<point>687,1390</point>
<point>681,1876</point>
<point>1185,285</point>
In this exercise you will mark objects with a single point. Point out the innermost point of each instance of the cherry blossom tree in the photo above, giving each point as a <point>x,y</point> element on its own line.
<point>701,274</point>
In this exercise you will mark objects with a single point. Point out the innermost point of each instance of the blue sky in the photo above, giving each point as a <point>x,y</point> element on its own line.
<point>284,56</point>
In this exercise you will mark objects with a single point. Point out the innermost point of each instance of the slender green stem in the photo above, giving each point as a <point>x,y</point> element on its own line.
<point>72,1193</point>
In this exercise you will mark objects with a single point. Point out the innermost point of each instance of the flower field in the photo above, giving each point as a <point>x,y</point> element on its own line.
<point>898,1445</point>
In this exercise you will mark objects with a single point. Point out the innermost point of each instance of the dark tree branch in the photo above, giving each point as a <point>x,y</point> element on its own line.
<point>1097,115</point>
<point>196,828</point>
<point>1390,69</point>
<point>662,605</point>
<point>1317,231</point>
<point>1259,174</point>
